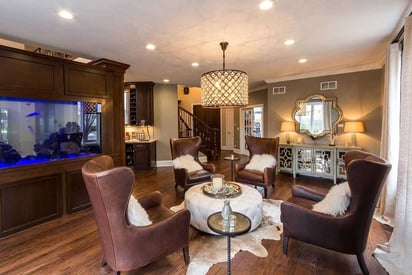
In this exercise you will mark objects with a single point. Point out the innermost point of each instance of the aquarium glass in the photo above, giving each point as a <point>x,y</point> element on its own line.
<point>34,131</point>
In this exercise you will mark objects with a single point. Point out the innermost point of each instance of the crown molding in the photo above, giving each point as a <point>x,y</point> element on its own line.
<point>374,66</point>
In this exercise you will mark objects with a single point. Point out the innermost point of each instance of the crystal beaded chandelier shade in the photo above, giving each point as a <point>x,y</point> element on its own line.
<point>224,88</point>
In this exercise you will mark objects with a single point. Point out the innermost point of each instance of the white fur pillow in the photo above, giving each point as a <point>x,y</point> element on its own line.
<point>188,162</point>
<point>136,214</point>
<point>260,162</point>
<point>336,201</point>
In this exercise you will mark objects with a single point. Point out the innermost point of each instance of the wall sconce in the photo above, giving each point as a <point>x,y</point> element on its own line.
<point>287,126</point>
<point>354,127</point>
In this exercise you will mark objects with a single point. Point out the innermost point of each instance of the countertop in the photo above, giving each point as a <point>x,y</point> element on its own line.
<point>140,141</point>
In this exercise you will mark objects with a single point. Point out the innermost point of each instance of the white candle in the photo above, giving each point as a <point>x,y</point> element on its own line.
<point>217,183</point>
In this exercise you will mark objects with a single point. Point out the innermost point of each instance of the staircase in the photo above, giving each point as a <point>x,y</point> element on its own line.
<point>190,125</point>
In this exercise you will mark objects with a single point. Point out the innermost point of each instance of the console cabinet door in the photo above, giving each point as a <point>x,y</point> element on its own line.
<point>285,158</point>
<point>304,160</point>
<point>324,162</point>
<point>340,163</point>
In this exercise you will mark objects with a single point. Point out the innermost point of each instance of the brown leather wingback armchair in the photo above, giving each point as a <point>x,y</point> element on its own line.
<point>255,146</point>
<point>189,146</point>
<point>127,247</point>
<point>347,233</point>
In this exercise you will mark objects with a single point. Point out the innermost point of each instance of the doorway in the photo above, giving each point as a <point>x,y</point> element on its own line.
<point>211,117</point>
<point>251,124</point>
<point>227,129</point>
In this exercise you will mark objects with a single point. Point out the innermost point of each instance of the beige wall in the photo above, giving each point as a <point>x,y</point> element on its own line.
<point>358,95</point>
<point>187,101</point>
<point>165,118</point>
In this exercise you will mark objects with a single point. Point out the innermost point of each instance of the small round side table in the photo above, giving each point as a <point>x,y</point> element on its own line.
<point>218,225</point>
<point>232,159</point>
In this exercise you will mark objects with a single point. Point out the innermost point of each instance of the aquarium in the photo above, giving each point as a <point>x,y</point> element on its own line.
<point>33,131</point>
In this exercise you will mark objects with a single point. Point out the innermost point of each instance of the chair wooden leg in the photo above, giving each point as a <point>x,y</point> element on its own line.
<point>186,255</point>
<point>285,245</point>
<point>362,264</point>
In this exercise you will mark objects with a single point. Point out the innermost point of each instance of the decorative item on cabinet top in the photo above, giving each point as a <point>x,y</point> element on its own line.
<point>313,160</point>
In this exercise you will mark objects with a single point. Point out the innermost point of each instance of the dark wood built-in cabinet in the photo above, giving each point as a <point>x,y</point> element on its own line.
<point>141,102</point>
<point>141,155</point>
<point>35,193</point>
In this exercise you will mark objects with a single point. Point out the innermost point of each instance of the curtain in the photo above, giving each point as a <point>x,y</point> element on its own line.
<point>397,254</point>
<point>390,133</point>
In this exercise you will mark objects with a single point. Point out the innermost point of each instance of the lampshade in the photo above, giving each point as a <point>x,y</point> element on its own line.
<point>224,88</point>
<point>287,126</point>
<point>354,127</point>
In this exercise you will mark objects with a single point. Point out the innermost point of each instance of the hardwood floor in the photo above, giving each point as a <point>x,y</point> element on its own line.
<point>70,245</point>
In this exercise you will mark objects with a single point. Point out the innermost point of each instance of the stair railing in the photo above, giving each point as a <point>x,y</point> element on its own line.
<point>190,125</point>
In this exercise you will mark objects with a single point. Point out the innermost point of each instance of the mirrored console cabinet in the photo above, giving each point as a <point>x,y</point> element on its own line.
<point>313,160</point>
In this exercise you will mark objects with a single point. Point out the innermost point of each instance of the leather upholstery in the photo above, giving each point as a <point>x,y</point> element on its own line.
<point>348,233</point>
<point>266,179</point>
<point>189,146</point>
<point>126,247</point>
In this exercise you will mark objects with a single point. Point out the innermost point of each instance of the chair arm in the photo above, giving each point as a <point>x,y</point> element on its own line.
<point>307,193</point>
<point>316,228</point>
<point>240,165</point>
<point>151,200</point>
<point>209,167</point>
<point>174,227</point>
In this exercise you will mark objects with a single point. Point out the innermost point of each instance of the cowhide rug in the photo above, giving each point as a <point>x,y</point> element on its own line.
<point>206,250</point>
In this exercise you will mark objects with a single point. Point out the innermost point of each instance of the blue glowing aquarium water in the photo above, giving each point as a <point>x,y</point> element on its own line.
<point>35,131</point>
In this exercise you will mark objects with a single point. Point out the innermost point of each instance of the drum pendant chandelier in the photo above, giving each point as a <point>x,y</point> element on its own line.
<point>224,88</point>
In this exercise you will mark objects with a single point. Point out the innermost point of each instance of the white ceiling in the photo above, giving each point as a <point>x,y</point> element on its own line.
<point>334,35</point>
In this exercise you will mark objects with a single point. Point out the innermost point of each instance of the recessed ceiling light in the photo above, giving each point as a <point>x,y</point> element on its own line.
<point>303,60</point>
<point>195,64</point>
<point>150,46</point>
<point>66,14</point>
<point>265,5</point>
<point>289,42</point>
<point>166,80</point>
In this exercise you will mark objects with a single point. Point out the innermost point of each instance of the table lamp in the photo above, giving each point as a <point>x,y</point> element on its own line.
<point>354,127</point>
<point>287,126</point>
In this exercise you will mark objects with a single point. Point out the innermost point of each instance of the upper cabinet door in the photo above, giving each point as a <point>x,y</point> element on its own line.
<point>85,81</point>
<point>29,75</point>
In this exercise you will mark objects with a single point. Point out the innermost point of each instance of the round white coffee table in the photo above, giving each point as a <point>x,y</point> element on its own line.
<point>201,206</point>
